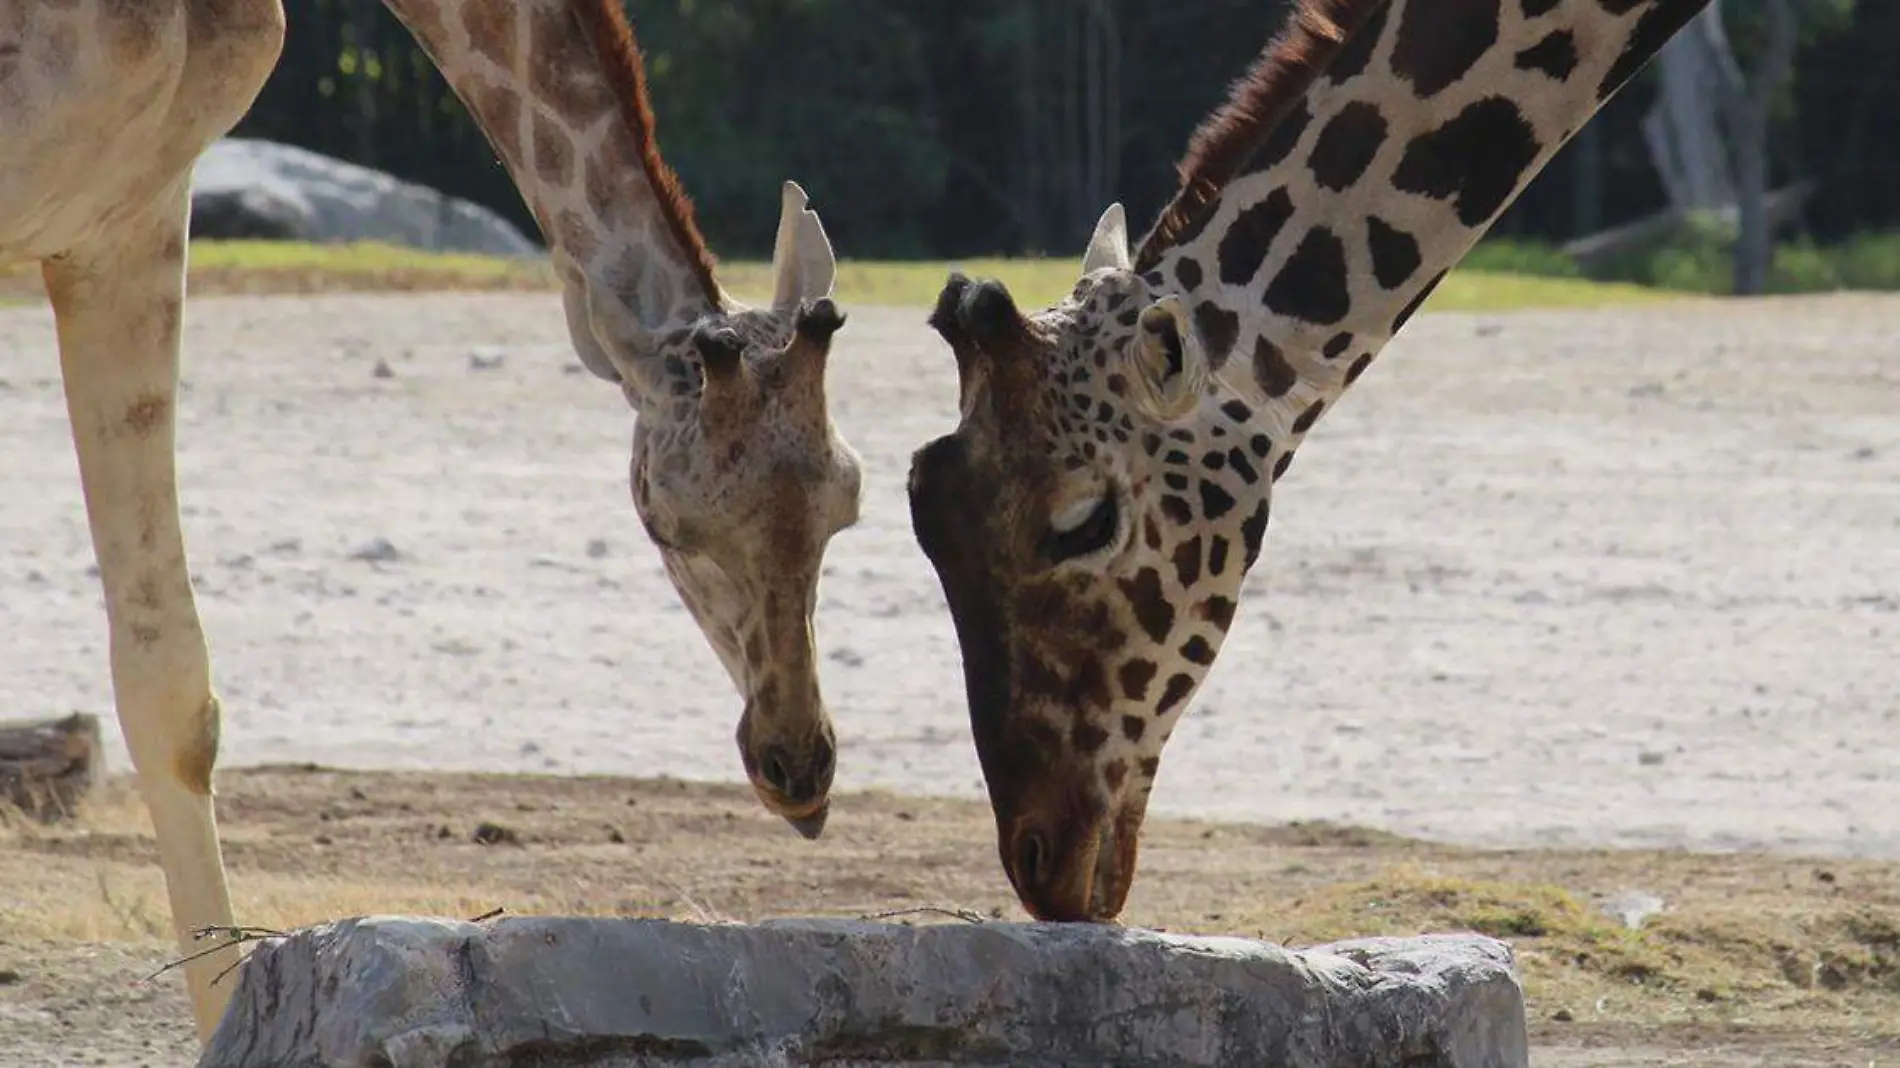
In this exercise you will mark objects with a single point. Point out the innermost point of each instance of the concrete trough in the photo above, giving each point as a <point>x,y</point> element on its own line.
<point>406,992</point>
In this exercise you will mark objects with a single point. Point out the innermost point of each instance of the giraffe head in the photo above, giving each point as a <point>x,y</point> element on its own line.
<point>1091,520</point>
<point>740,479</point>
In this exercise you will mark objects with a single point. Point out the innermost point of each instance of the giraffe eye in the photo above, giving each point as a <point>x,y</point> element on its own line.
<point>1082,530</point>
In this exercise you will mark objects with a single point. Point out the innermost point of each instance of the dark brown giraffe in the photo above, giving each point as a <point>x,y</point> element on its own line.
<point>1107,487</point>
<point>737,472</point>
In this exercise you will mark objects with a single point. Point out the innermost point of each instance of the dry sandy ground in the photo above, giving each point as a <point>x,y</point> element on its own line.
<point>1609,579</point>
<point>1755,960</point>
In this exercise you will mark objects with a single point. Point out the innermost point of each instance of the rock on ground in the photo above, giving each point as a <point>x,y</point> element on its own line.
<point>411,993</point>
<point>246,188</point>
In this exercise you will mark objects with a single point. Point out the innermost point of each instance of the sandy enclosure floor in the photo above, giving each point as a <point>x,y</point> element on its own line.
<point>1593,578</point>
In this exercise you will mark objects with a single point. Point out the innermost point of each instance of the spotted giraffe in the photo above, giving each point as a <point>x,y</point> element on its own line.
<point>1107,486</point>
<point>737,472</point>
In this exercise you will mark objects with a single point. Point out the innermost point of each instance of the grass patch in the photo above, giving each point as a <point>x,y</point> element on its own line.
<point>1699,963</point>
<point>1700,259</point>
<point>274,267</point>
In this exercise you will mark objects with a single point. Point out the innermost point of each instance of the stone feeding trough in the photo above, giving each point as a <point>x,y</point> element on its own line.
<point>418,993</point>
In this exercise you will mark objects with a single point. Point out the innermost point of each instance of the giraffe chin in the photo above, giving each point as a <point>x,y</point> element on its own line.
<point>807,820</point>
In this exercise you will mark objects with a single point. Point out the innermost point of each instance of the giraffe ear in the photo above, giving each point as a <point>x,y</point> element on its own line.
<point>1168,360</point>
<point>803,268</point>
<point>608,337</point>
<point>1109,245</point>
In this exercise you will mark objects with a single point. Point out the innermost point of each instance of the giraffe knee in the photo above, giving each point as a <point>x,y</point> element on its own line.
<point>197,752</point>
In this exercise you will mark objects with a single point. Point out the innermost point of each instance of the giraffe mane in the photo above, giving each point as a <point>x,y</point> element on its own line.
<point>625,67</point>
<point>1229,136</point>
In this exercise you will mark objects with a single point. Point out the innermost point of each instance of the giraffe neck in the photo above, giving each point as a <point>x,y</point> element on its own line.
<point>557,88</point>
<point>1400,154</point>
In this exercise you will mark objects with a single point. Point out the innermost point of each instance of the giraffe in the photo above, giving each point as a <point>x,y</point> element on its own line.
<point>1107,486</point>
<point>737,474</point>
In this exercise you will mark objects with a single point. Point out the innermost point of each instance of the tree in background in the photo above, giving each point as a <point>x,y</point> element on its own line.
<point>951,128</point>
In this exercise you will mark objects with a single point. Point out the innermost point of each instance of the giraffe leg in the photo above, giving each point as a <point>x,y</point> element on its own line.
<point>118,304</point>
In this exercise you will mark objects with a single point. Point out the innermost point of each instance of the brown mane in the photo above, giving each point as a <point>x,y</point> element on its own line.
<point>606,22</point>
<point>1313,34</point>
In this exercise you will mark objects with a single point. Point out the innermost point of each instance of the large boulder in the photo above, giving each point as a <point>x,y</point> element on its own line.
<point>410,993</point>
<point>245,188</point>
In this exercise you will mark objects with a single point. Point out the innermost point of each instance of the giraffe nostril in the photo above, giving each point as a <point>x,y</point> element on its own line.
<point>775,767</point>
<point>1032,859</point>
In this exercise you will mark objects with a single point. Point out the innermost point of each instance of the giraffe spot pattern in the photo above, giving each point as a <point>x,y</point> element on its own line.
<point>1253,531</point>
<point>1311,284</point>
<point>1358,368</point>
<point>1215,501</point>
<point>1218,327</point>
<point>1352,59</point>
<point>491,31</point>
<point>1149,605</point>
<point>1236,410</point>
<point>1411,306</point>
<point>1086,737</point>
<point>1308,417</point>
<point>1133,727</point>
<point>1346,145</point>
<point>1271,369</point>
<point>553,155</point>
<point>1438,43</point>
<point>1280,469</point>
<point>1179,686</point>
<point>1652,31</point>
<point>1534,8</point>
<point>1196,650</point>
<point>1555,55</point>
<point>1177,510</point>
<point>1149,765</point>
<point>1218,611</point>
<point>1187,561</point>
<point>1188,272</point>
<point>1135,677</point>
<point>1280,143</point>
<point>1395,254</point>
<point>1242,466</point>
<point>1244,247</point>
<point>1217,556</point>
<point>1337,345</point>
<point>1477,156</point>
<point>1115,773</point>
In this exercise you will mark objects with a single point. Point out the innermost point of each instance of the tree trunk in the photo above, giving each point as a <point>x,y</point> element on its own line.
<point>1746,109</point>
<point>47,767</point>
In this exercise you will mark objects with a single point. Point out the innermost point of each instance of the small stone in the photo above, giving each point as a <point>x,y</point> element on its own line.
<point>1632,907</point>
<point>1649,758</point>
<point>9,976</point>
<point>495,834</point>
<point>485,361</point>
<point>377,551</point>
<point>614,836</point>
<point>382,370</point>
<point>596,548</point>
<point>322,839</point>
<point>1563,1016</point>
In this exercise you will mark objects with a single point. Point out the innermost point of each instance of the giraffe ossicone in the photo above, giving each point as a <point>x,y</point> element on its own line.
<point>1094,514</point>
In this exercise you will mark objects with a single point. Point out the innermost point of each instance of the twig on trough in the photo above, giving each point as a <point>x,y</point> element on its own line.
<point>966,915</point>
<point>239,936</point>
<point>489,915</point>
